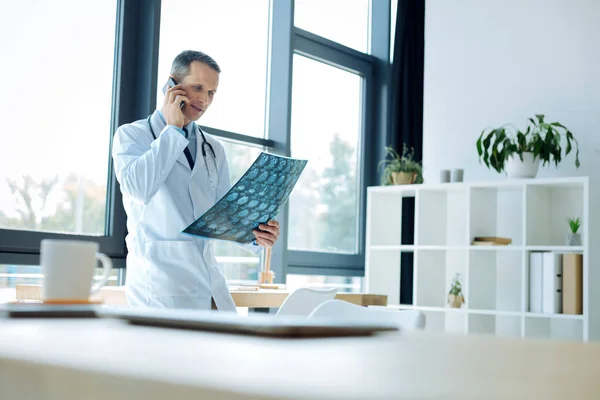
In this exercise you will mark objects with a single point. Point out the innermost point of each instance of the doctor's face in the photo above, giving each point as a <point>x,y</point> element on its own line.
<point>200,86</point>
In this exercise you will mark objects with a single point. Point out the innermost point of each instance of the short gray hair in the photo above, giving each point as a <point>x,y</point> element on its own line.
<point>181,64</point>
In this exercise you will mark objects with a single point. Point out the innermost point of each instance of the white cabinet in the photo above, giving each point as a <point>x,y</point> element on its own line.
<point>533,213</point>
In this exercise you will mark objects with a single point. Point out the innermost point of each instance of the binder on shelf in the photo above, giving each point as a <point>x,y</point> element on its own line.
<point>572,294</point>
<point>552,283</point>
<point>535,282</point>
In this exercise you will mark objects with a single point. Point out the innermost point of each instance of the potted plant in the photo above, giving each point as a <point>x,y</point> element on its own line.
<point>400,169</point>
<point>519,153</point>
<point>455,295</point>
<point>573,238</point>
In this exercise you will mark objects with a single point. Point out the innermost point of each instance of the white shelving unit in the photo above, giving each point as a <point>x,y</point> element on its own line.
<point>533,213</point>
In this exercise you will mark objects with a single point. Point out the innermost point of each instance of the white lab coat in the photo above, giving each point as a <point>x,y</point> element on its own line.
<point>162,196</point>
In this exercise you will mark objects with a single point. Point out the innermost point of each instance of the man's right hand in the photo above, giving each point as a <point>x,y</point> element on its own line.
<point>171,110</point>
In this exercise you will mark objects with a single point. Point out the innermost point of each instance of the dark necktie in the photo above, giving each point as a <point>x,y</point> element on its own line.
<point>187,153</point>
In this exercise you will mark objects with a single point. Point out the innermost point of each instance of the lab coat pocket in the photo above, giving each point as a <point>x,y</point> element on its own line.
<point>174,270</point>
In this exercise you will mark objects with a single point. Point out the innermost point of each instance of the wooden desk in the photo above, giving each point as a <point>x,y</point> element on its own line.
<point>264,298</point>
<point>105,359</point>
<point>274,298</point>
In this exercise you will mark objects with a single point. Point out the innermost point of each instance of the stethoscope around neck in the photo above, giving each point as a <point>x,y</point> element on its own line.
<point>203,148</point>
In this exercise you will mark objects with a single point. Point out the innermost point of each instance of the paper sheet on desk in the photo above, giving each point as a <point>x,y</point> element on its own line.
<point>256,198</point>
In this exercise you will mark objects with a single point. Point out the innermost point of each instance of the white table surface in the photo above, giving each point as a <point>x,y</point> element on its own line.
<point>109,359</point>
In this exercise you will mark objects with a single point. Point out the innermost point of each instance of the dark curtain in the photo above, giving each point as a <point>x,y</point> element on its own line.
<point>406,124</point>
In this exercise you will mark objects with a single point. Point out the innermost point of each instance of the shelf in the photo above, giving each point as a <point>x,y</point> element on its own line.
<point>403,247</point>
<point>442,217</point>
<point>554,328</point>
<point>485,312</point>
<point>411,247</point>
<point>556,249</point>
<point>495,281</point>
<point>533,213</point>
<point>548,211</point>
<point>563,182</point>
<point>399,190</point>
<point>457,310</point>
<point>494,312</point>
<point>433,273</point>
<point>383,273</point>
<point>425,308</point>
<point>497,211</point>
<point>498,325</point>
<point>431,247</point>
<point>496,248</point>
<point>554,316</point>
<point>384,219</point>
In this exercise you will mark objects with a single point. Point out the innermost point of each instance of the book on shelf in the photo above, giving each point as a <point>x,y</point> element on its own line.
<point>572,294</point>
<point>491,241</point>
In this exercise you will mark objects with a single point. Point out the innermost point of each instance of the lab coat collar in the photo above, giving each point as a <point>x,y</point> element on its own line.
<point>158,124</point>
<point>190,127</point>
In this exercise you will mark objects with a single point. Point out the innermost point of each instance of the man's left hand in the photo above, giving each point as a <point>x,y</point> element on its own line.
<point>267,234</point>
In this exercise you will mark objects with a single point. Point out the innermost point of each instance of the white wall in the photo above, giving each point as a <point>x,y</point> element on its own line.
<point>490,62</point>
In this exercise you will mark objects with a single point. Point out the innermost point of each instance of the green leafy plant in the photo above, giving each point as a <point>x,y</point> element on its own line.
<point>544,140</point>
<point>400,163</point>
<point>456,286</point>
<point>574,224</point>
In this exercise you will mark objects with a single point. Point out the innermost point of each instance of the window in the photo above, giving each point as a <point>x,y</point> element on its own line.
<point>393,16</point>
<point>235,33</point>
<point>56,115</point>
<point>345,284</point>
<point>326,130</point>
<point>237,263</point>
<point>342,21</point>
<point>55,169</point>
<point>13,275</point>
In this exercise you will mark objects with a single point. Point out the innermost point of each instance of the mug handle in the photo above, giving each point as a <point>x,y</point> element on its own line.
<point>107,266</point>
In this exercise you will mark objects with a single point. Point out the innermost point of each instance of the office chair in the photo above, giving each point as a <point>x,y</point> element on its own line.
<point>303,301</point>
<point>343,310</point>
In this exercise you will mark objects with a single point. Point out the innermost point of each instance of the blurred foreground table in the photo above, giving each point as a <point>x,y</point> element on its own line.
<point>109,359</point>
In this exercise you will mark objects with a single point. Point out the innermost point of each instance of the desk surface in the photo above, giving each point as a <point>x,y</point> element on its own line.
<point>107,359</point>
<point>274,298</point>
<point>263,298</point>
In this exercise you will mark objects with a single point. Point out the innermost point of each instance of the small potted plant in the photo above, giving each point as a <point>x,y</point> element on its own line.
<point>455,296</point>
<point>400,169</point>
<point>573,238</point>
<point>519,153</point>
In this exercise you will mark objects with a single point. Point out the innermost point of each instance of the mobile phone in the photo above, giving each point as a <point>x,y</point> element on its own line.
<point>170,83</point>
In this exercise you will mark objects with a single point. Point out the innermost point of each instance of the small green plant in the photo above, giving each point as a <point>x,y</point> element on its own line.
<point>399,163</point>
<point>575,224</point>
<point>456,286</point>
<point>496,145</point>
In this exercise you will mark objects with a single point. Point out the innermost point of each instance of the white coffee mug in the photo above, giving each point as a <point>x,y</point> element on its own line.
<point>68,268</point>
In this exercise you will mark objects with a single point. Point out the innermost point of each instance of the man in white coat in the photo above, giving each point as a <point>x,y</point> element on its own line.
<point>170,173</point>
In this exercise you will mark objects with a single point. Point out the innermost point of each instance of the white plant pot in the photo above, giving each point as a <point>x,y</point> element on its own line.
<point>528,168</point>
